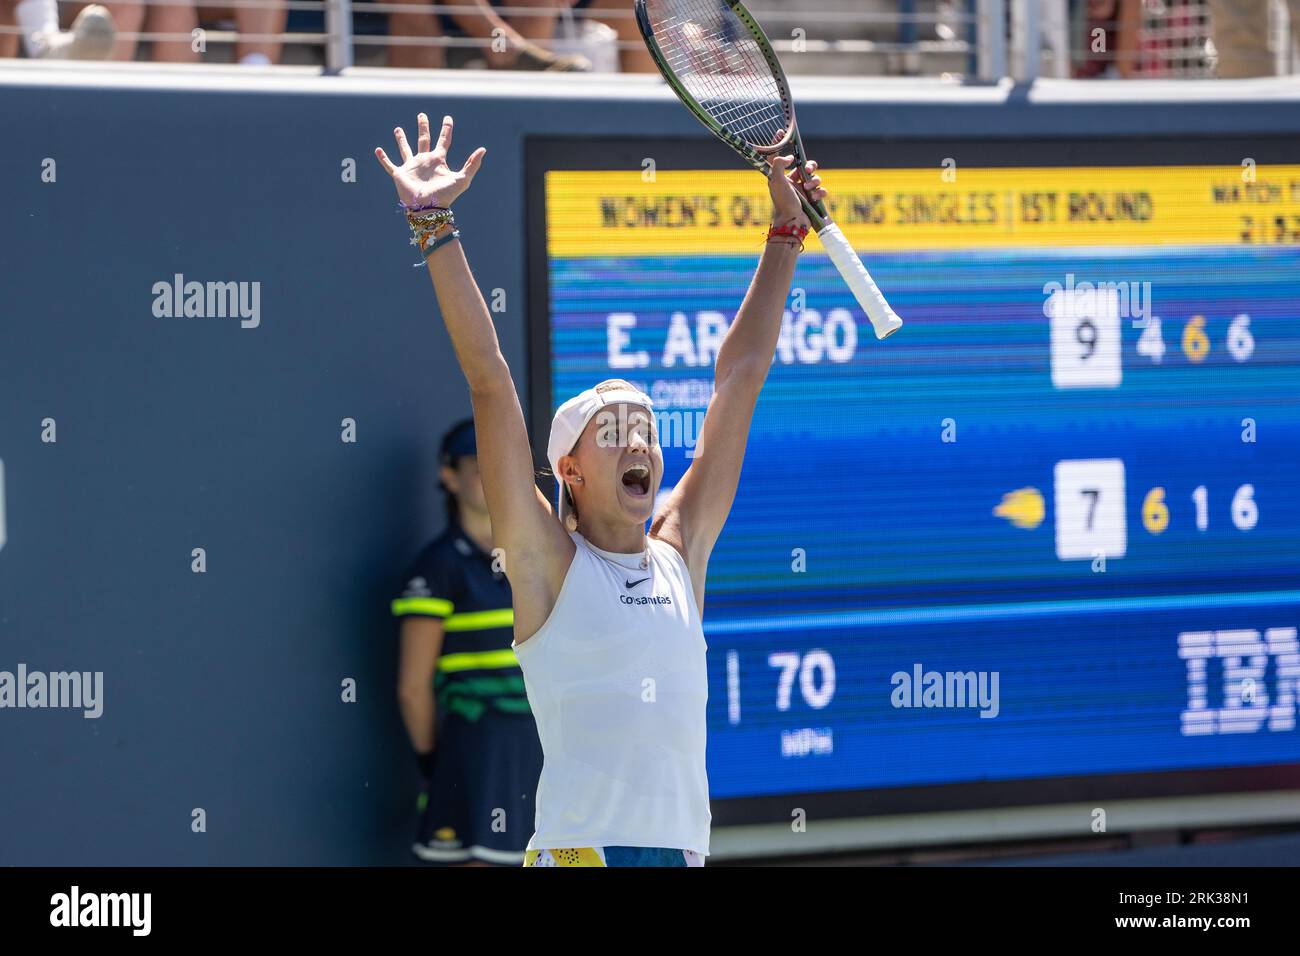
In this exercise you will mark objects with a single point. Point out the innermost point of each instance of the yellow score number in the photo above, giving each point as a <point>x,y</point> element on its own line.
<point>1196,344</point>
<point>1155,513</point>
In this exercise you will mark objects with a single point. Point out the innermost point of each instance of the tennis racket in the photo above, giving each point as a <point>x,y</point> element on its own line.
<point>720,64</point>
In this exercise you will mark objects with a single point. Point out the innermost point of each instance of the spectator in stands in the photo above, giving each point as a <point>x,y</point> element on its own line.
<point>633,57</point>
<point>460,688</point>
<point>91,36</point>
<point>1110,39</point>
<point>422,23</point>
<point>1241,35</point>
<point>132,16</point>
<point>518,39</point>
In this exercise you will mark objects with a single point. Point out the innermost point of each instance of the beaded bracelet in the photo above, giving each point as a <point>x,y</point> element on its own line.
<point>425,215</point>
<point>423,226</point>
<point>428,218</point>
<point>423,229</point>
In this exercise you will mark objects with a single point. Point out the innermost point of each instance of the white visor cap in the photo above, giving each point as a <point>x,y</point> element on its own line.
<point>572,417</point>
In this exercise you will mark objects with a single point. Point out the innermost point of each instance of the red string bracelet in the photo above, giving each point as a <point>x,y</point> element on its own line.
<point>792,230</point>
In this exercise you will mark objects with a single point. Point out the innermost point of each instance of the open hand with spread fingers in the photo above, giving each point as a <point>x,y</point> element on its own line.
<point>424,178</point>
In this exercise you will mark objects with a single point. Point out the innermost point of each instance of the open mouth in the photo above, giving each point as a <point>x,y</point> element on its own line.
<point>636,480</point>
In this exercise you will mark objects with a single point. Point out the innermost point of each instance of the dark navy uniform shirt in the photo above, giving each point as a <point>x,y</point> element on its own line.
<point>453,581</point>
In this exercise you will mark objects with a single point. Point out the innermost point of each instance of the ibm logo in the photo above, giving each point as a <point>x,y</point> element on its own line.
<point>1247,702</point>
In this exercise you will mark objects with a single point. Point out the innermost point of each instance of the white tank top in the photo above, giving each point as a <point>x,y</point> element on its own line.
<point>617,682</point>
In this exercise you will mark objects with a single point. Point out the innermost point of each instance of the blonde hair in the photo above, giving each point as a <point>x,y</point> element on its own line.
<point>616,385</point>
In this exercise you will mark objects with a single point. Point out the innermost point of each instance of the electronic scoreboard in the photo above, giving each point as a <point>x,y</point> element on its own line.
<point>1049,530</point>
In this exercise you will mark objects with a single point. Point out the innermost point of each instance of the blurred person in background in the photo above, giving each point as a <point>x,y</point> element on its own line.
<point>460,687</point>
<point>1242,34</point>
<point>91,36</point>
<point>420,22</point>
<point>633,57</point>
<point>168,16</point>
<point>520,39</point>
<point>1110,32</point>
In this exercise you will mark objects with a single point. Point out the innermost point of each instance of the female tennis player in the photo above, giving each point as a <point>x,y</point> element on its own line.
<point>607,623</point>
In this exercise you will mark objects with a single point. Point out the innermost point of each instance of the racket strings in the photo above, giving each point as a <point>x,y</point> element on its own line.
<point>722,67</point>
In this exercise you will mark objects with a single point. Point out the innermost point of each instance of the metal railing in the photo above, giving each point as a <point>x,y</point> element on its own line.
<point>976,33</point>
<point>338,26</point>
<point>776,21</point>
<point>990,39</point>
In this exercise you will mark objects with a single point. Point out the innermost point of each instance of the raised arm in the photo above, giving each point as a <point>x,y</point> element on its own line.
<point>537,550</point>
<point>694,514</point>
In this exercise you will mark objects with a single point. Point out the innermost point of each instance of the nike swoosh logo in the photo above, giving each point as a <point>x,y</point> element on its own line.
<point>632,584</point>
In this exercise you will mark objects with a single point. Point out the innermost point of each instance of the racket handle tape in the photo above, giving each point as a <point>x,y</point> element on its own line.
<point>883,319</point>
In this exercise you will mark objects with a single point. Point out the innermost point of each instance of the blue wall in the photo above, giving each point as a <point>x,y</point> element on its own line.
<point>222,689</point>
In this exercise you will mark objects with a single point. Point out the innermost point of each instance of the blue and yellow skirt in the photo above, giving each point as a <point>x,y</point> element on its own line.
<point>613,856</point>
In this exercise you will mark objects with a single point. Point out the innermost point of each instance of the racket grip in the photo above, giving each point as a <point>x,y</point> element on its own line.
<point>885,321</point>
